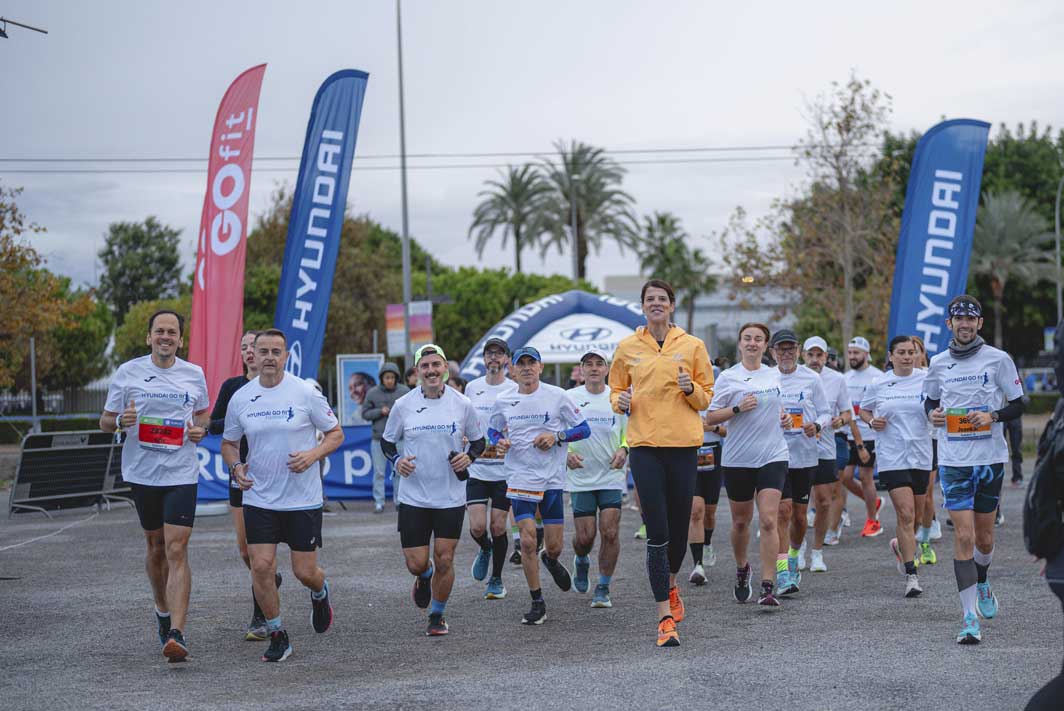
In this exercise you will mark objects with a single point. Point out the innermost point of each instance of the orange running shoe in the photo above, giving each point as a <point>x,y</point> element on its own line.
<point>676,604</point>
<point>872,528</point>
<point>667,634</point>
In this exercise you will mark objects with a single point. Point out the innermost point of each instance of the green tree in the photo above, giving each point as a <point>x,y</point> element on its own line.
<point>1010,244</point>
<point>74,353</point>
<point>140,263</point>
<point>514,207</point>
<point>587,175</point>
<point>664,253</point>
<point>131,337</point>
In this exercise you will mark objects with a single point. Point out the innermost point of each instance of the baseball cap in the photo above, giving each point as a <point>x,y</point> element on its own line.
<point>525,351</point>
<point>595,352</point>
<point>965,306</point>
<point>428,349</point>
<point>861,343</point>
<point>815,342</point>
<point>784,335</point>
<point>498,343</point>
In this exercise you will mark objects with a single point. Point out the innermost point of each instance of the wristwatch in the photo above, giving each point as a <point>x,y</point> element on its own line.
<point>735,409</point>
<point>818,427</point>
<point>994,416</point>
<point>860,446</point>
<point>559,438</point>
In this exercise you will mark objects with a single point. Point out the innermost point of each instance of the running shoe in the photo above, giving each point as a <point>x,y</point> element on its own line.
<point>321,615</point>
<point>422,592</point>
<point>277,580</point>
<point>257,630</point>
<point>164,627</point>
<point>816,562</point>
<point>767,598</point>
<point>872,528</point>
<point>832,537</point>
<point>936,530</point>
<point>709,556</point>
<point>999,520</point>
<point>580,582</point>
<point>667,634</point>
<point>602,596</point>
<point>641,533</point>
<point>785,583</point>
<point>845,518</point>
<point>561,576</point>
<point>516,557</point>
<point>912,586</point>
<point>280,648</point>
<point>742,590</point>
<point>697,576</point>
<point>803,564</point>
<point>796,575</point>
<point>175,649</point>
<point>495,590</point>
<point>970,632</point>
<point>537,615</point>
<point>810,517</point>
<point>987,603</point>
<point>676,604</point>
<point>896,550</point>
<point>437,625</point>
<point>378,508</point>
<point>879,505</point>
<point>479,571</point>
<point>927,554</point>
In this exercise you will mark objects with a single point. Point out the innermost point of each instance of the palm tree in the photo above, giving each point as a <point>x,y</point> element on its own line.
<point>603,210</point>
<point>664,253</point>
<point>1009,244</point>
<point>513,205</point>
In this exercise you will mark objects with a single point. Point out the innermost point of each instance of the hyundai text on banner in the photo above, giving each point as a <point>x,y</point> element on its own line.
<point>937,225</point>
<point>218,289</point>
<point>317,218</point>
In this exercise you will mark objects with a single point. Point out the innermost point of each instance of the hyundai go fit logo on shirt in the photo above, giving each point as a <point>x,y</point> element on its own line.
<point>586,335</point>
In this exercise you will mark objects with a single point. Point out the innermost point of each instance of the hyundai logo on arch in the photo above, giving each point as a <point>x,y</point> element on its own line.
<point>586,335</point>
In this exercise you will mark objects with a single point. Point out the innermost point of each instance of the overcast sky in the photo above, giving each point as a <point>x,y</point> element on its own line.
<point>143,80</point>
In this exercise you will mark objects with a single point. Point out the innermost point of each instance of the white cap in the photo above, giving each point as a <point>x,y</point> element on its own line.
<point>815,342</point>
<point>861,343</point>
<point>595,352</point>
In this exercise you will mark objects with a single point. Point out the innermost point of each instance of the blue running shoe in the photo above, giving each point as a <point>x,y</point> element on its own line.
<point>970,632</point>
<point>602,596</point>
<point>480,564</point>
<point>164,628</point>
<point>796,573</point>
<point>495,590</point>
<point>987,604</point>
<point>580,581</point>
<point>785,583</point>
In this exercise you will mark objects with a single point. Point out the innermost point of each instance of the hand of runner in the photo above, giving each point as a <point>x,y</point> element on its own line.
<point>684,381</point>
<point>195,432</point>
<point>128,418</point>
<point>461,462</point>
<point>864,456</point>
<point>502,446</point>
<point>620,458</point>
<point>978,419</point>
<point>878,424</point>
<point>405,466</point>
<point>809,428</point>
<point>624,400</point>
<point>786,422</point>
<point>544,441</point>
<point>299,462</point>
<point>749,402</point>
<point>574,461</point>
<point>938,417</point>
<point>240,476</point>
<point>836,422</point>
<point>722,431</point>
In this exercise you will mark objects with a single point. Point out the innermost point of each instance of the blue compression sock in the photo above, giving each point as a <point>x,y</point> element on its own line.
<point>320,595</point>
<point>274,625</point>
<point>605,579</point>
<point>436,607</point>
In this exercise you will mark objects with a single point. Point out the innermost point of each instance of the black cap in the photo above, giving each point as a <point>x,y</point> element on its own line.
<point>965,306</point>
<point>784,335</point>
<point>496,342</point>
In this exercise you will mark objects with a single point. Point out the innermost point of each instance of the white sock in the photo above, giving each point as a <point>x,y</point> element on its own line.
<point>968,598</point>
<point>983,559</point>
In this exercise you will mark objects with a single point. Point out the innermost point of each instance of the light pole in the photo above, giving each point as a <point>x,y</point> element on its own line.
<point>402,180</point>
<point>576,237</point>
<point>1060,306</point>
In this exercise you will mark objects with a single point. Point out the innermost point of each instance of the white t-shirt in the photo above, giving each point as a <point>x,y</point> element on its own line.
<point>607,434</point>
<point>838,402</point>
<point>166,400</point>
<point>805,401</point>
<point>547,409</point>
<point>279,421</point>
<point>984,381</point>
<point>857,381</point>
<point>754,438</point>
<point>429,429</point>
<point>483,396</point>
<point>905,443</point>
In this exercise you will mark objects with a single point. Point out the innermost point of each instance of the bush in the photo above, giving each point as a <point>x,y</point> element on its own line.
<point>12,432</point>
<point>1042,403</point>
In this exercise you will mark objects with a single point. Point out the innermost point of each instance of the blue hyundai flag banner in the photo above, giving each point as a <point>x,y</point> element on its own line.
<point>317,218</point>
<point>936,230</point>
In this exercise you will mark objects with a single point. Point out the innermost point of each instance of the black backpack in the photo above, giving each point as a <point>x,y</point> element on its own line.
<point>1043,525</point>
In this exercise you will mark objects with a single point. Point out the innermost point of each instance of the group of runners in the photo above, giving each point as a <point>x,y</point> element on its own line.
<point>775,433</point>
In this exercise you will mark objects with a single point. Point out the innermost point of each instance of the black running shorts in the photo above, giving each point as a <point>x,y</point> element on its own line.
<point>418,525</point>
<point>156,505</point>
<point>482,492</point>
<point>301,530</point>
<point>826,473</point>
<point>798,483</point>
<point>743,482</point>
<point>915,479</point>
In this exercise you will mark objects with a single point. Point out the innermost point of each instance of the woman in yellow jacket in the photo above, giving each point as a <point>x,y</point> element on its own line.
<point>661,377</point>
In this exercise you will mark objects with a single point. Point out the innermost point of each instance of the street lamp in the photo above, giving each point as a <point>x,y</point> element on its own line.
<point>1060,307</point>
<point>408,353</point>
<point>576,238</point>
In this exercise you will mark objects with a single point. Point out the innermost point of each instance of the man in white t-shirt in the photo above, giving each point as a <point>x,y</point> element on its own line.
<point>862,440</point>
<point>597,477</point>
<point>430,423</point>
<point>972,388</point>
<point>164,410</point>
<point>281,416</point>
<point>531,426</point>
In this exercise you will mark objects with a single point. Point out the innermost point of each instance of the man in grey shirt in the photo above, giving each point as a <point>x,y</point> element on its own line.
<point>375,409</point>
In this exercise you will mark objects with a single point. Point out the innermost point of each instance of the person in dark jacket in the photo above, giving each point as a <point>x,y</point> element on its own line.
<point>375,409</point>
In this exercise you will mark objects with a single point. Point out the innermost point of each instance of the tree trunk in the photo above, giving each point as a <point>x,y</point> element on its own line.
<point>517,250</point>
<point>690,311</point>
<point>849,312</point>
<point>998,288</point>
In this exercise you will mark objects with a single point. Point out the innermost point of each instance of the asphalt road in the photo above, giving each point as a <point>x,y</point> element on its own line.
<point>77,631</point>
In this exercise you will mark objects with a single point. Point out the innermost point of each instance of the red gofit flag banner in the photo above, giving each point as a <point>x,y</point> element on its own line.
<point>218,290</point>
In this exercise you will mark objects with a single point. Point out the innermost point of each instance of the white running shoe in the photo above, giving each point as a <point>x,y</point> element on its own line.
<point>845,518</point>
<point>831,538</point>
<point>912,586</point>
<point>816,563</point>
<point>709,556</point>
<point>936,530</point>
<point>698,576</point>
<point>810,517</point>
<point>896,550</point>
<point>801,557</point>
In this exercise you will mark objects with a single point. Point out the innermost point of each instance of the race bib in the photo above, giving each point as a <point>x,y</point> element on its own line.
<point>707,461</point>
<point>796,420</point>
<point>491,452</point>
<point>160,434</point>
<point>958,428</point>
<point>524,495</point>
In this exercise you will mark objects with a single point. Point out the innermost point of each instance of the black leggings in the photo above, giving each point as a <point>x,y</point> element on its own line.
<point>1049,696</point>
<point>665,479</point>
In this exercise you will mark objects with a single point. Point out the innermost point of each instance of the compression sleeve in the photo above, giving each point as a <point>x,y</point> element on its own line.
<point>931,404</point>
<point>390,450</point>
<point>575,434</point>
<point>1011,411</point>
